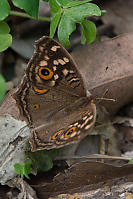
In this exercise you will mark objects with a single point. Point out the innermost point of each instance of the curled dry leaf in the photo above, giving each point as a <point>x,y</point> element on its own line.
<point>81,175</point>
<point>8,107</point>
<point>107,68</point>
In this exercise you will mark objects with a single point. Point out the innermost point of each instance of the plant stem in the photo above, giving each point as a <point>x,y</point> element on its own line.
<point>21,14</point>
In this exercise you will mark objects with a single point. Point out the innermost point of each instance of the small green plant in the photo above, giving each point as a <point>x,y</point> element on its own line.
<point>130,161</point>
<point>2,88</point>
<point>65,14</point>
<point>42,160</point>
<point>23,170</point>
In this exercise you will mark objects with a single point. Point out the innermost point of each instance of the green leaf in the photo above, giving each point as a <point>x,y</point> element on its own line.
<point>46,0</point>
<point>130,161</point>
<point>55,16</point>
<point>54,23</point>
<point>18,168</point>
<point>45,164</point>
<point>73,15</point>
<point>30,6</point>
<point>103,12</point>
<point>54,7</point>
<point>76,3</point>
<point>5,41</point>
<point>78,13</point>
<point>5,37</point>
<point>27,169</point>
<point>23,169</point>
<point>66,27</point>
<point>63,2</point>
<point>42,160</point>
<point>4,9</point>
<point>2,88</point>
<point>4,28</point>
<point>88,30</point>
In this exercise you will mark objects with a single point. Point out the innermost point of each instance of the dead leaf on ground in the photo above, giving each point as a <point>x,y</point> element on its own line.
<point>124,126</point>
<point>120,14</point>
<point>107,68</point>
<point>80,175</point>
<point>67,196</point>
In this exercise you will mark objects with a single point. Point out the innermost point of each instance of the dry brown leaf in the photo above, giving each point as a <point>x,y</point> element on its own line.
<point>9,107</point>
<point>107,67</point>
<point>121,17</point>
<point>80,175</point>
<point>67,196</point>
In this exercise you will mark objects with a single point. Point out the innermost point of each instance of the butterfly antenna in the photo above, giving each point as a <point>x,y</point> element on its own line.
<point>104,98</point>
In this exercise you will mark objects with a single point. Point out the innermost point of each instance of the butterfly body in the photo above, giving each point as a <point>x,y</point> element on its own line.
<point>52,98</point>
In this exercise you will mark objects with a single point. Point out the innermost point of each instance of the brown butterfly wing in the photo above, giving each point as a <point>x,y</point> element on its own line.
<point>50,53</point>
<point>51,96</point>
<point>65,127</point>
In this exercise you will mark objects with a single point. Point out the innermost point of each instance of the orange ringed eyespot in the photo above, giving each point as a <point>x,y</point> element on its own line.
<point>40,91</point>
<point>45,73</point>
<point>36,106</point>
<point>70,131</point>
<point>56,134</point>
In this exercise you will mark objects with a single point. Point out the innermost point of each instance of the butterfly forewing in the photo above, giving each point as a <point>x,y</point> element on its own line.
<point>50,54</point>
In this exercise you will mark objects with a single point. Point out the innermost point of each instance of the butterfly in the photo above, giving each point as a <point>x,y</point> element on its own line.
<point>52,98</point>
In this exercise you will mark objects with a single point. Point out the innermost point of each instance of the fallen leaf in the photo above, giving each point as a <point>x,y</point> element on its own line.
<point>107,68</point>
<point>80,175</point>
<point>121,17</point>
